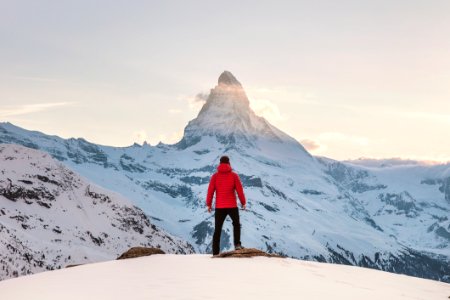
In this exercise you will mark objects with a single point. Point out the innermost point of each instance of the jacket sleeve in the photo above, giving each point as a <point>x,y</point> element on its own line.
<point>239,189</point>
<point>211,190</point>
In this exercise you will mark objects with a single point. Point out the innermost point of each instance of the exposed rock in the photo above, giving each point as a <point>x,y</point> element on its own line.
<point>71,266</point>
<point>246,252</point>
<point>227,78</point>
<point>140,251</point>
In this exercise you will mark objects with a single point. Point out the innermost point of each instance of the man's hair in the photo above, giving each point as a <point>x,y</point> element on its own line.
<point>225,160</point>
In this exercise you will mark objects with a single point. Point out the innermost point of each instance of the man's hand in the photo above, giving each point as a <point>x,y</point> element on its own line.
<point>209,209</point>
<point>244,207</point>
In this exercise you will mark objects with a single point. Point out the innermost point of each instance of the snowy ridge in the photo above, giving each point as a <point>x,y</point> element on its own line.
<point>50,217</point>
<point>393,219</point>
<point>202,277</point>
<point>389,162</point>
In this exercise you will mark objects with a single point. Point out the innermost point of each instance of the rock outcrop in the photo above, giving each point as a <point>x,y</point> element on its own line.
<point>139,252</point>
<point>246,252</point>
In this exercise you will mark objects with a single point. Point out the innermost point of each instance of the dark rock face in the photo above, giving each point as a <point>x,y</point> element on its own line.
<point>269,207</point>
<point>311,192</point>
<point>351,178</point>
<point>72,266</point>
<point>227,78</point>
<point>251,181</point>
<point>345,174</point>
<point>195,180</point>
<point>444,185</point>
<point>187,142</point>
<point>128,164</point>
<point>139,252</point>
<point>14,192</point>
<point>403,203</point>
<point>201,231</point>
<point>204,231</point>
<point>173,190</point>
<point>442,232</point>
<point>446,188</point>
<point>409,262</point>
<point>246,252</point>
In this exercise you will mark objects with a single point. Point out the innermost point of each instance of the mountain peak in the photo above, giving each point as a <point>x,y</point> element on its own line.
<point>226,78</point>
<point>227,115</point>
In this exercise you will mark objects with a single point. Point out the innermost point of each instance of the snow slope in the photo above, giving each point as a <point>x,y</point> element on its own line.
<point>51,217</point>
<point>394,218</point>
<point>202,277</point>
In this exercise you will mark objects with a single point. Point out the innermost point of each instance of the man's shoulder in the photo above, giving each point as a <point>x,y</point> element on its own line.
<point>234,174</point>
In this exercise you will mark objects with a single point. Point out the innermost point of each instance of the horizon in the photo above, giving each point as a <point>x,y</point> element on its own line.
<point>395,160</point>
<point>356,80</point>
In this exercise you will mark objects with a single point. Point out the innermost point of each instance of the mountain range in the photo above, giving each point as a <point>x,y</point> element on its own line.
<point>390,217</point>
<point>50,217</point>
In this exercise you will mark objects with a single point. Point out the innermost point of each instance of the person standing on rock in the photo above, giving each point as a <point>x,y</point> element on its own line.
<point>225,184</point>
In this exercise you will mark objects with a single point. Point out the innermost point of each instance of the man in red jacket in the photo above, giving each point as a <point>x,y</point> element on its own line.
<point>225,184</point>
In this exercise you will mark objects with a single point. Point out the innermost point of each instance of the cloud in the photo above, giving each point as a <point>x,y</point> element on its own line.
<point>16,110</point>
<point>141,136</point>
<point>201,97</point>
<point>166,138</point>
<point>266,109</point>
<point>435,117</point>
<point>282,94</point>
<point>320,144</point>
<point>196,102</point>
<point>172,138</point>
<point>175,111</point>
<point>342,137</point>
<point>400,161</point>
<point>33,78</point>
<point>310,145</point>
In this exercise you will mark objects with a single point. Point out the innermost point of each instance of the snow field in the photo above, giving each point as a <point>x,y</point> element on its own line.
<point>203,277</point>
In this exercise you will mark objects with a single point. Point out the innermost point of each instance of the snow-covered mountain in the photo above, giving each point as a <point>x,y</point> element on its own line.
<point>50,217</point>
<point>202,277</point>
<point>227,116</point>
<point>393,218</point>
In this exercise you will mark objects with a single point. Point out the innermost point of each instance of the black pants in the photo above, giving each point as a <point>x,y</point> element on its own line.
<point>220,215</point>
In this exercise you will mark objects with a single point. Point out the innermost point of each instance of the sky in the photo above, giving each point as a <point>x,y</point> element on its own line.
<point>348,79</point>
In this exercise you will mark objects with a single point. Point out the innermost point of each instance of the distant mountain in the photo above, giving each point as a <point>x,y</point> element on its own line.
<point>50,217</point>
<point>387,162</point>
<point>392,218</point>
<point>228,118</point>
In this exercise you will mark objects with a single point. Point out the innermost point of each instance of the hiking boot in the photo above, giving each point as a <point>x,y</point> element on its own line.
<point>238,247</point>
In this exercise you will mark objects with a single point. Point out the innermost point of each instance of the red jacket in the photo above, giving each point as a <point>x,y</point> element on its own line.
<point>225,183</point>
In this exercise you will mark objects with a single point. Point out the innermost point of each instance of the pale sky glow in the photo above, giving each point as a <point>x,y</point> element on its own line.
<point>348,78</point>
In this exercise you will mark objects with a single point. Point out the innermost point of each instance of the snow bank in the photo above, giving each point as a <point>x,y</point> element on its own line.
<point>203,277</point>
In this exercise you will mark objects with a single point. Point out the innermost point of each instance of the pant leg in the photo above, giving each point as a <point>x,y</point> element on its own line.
<point>234,214</point>
<point>219,217</point>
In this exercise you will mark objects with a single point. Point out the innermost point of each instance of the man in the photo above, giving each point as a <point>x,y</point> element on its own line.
<point>225,184</point>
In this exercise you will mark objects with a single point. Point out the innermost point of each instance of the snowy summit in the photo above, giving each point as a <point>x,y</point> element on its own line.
<point>227,116</point>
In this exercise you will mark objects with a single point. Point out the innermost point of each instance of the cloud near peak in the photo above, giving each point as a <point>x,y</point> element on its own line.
<point>310,145</point>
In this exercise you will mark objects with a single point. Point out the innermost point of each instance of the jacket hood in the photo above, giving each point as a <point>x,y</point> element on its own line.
<point>224,168</point>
